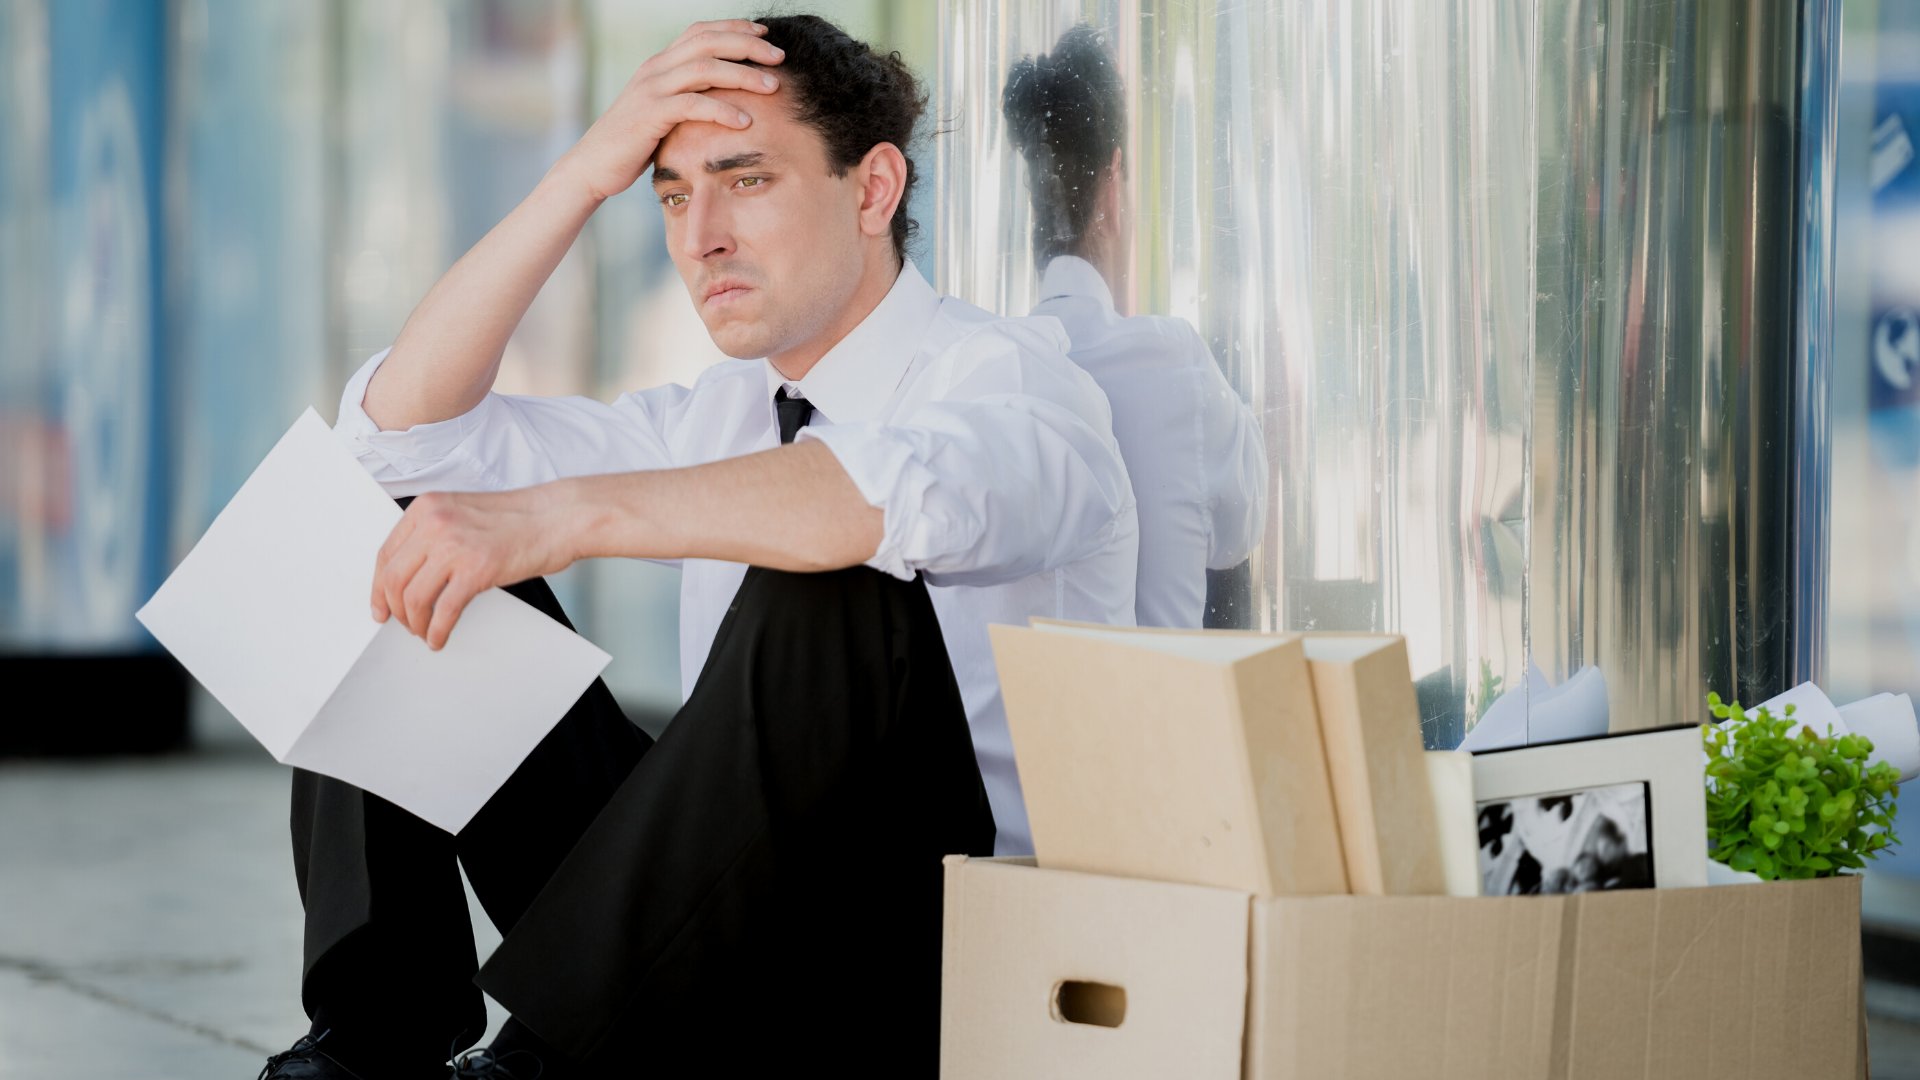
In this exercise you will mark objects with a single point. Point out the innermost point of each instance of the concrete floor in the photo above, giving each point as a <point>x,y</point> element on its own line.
<point>149,925</point>
<point>148,921</point>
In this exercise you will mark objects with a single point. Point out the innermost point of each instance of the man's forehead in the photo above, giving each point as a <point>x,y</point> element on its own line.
<point>775,134</point>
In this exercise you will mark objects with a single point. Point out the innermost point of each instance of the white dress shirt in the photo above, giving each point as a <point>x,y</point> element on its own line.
<point>1195,454</point>
<point>990,453</point>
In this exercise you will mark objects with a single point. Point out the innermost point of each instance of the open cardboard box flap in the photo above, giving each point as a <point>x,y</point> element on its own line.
<point>1061,974</point>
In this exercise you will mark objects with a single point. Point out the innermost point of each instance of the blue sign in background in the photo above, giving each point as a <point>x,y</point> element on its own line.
<point>85,376</point>
<point>1889,636</point>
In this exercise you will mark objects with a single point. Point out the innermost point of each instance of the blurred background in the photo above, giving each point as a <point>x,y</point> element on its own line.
<point>215,210</point>
<point>1583,335</point>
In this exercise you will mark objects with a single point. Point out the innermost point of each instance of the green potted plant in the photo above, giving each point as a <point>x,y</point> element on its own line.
<point>1786,805</point>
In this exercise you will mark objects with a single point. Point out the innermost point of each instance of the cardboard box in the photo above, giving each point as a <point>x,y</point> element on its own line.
<point>1061,975</point>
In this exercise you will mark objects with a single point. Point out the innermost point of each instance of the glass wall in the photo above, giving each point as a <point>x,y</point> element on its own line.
<point>1323,192</point>
<point>1512,290</point>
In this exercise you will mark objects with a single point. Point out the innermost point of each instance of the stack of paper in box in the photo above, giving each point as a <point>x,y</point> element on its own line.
<point>1203,803</point>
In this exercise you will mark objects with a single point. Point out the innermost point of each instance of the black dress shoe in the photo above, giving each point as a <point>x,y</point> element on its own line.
<point>304,1060</point>
<point>514,1065</point>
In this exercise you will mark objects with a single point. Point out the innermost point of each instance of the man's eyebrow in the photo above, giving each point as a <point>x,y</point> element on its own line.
<point>751,159</point>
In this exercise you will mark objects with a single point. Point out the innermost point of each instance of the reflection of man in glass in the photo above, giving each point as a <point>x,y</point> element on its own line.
<point>1191,445</point>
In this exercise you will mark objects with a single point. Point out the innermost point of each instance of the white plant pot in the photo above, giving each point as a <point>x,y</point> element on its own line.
<point>1719,873</point>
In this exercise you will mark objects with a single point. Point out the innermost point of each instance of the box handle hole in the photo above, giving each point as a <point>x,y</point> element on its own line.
<point>1098,1004</point>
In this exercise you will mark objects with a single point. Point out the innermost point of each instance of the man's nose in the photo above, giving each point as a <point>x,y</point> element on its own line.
<point>708,231</point>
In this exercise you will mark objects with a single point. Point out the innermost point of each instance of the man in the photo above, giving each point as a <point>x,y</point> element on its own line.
<point>1192,448</point>
<point>897,468</point>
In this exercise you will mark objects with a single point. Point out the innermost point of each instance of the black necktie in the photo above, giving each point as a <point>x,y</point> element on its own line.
<point>794,414</point>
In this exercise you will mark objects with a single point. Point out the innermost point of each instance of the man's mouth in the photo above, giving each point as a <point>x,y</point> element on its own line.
<point>726,292</point>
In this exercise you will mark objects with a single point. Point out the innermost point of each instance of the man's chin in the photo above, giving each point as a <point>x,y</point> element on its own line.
<point>742,342</point>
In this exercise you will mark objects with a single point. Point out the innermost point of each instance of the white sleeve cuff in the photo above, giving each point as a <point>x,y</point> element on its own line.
<point>398,454</point>
<point>354,423</point>
<point>890,468</point>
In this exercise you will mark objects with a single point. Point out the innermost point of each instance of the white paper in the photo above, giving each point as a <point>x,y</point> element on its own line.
<point>1811,708</point>
<point>1576,709</point>
<point>269,611</point>
<point>1888,720</point>
<point>1504,723</point>
<point>1539,713</point>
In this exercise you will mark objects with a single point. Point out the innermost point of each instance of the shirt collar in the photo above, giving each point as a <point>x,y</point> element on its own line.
<point>1071,275</point>
<point>857,377</point>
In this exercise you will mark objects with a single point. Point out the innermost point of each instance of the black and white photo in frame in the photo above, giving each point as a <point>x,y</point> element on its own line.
<point>1574,841</point>
<point>1623,811</point>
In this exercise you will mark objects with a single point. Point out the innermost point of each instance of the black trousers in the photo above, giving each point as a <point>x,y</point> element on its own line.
<point>759,888</point>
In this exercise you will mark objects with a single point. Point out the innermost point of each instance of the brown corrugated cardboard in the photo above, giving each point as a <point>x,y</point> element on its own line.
<point>1404,986</point>
<point>1016,937</point>
<point>1759,981</point>
<point>1370,723</point>
<point>1735,981</point>
<point>1170,756</point>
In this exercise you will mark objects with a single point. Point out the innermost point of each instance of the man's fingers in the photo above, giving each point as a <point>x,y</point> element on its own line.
<point>397,537</point>
<point>685,107</point>
<point>421,594</point>
<point>722,26</point>
<point>395,540</point>
<point>711,74</point>
<point>718,46</point>
<point>390,578</point>
<point>453,600</point>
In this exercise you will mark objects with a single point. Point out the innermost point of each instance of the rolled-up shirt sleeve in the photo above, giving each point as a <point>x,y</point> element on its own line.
<point>1008,468</point>
<point>509,441</point>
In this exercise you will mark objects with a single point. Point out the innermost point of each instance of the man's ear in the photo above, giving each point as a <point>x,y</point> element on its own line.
<point>883,183</point>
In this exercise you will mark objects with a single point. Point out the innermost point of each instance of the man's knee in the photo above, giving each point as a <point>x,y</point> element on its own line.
<point>855,644</point>
<point>858,596</point>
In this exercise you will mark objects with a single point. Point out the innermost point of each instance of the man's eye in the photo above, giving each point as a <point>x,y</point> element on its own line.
<point>674,198</point>
<point>752,181</point>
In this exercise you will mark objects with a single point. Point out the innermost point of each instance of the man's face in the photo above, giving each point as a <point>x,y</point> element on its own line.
<point>767,239</point>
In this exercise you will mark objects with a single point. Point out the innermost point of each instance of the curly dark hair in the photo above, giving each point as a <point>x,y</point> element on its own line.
<point>1066,114</point>
<point>853,96</point>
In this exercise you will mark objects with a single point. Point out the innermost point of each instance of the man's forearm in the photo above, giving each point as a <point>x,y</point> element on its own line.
<point>793,508</point>
<point>446,358</point>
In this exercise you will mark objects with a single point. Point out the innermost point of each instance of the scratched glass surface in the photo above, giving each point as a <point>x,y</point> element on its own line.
<point>1679,445</point>
<point>1510,289</point>
<point>1325,194</point>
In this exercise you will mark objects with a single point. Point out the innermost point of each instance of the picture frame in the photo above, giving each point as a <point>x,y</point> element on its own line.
<point>1596,806</point>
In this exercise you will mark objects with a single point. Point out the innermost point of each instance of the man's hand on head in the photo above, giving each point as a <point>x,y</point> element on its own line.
<point>449,548</point>
<point>667,90</point>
